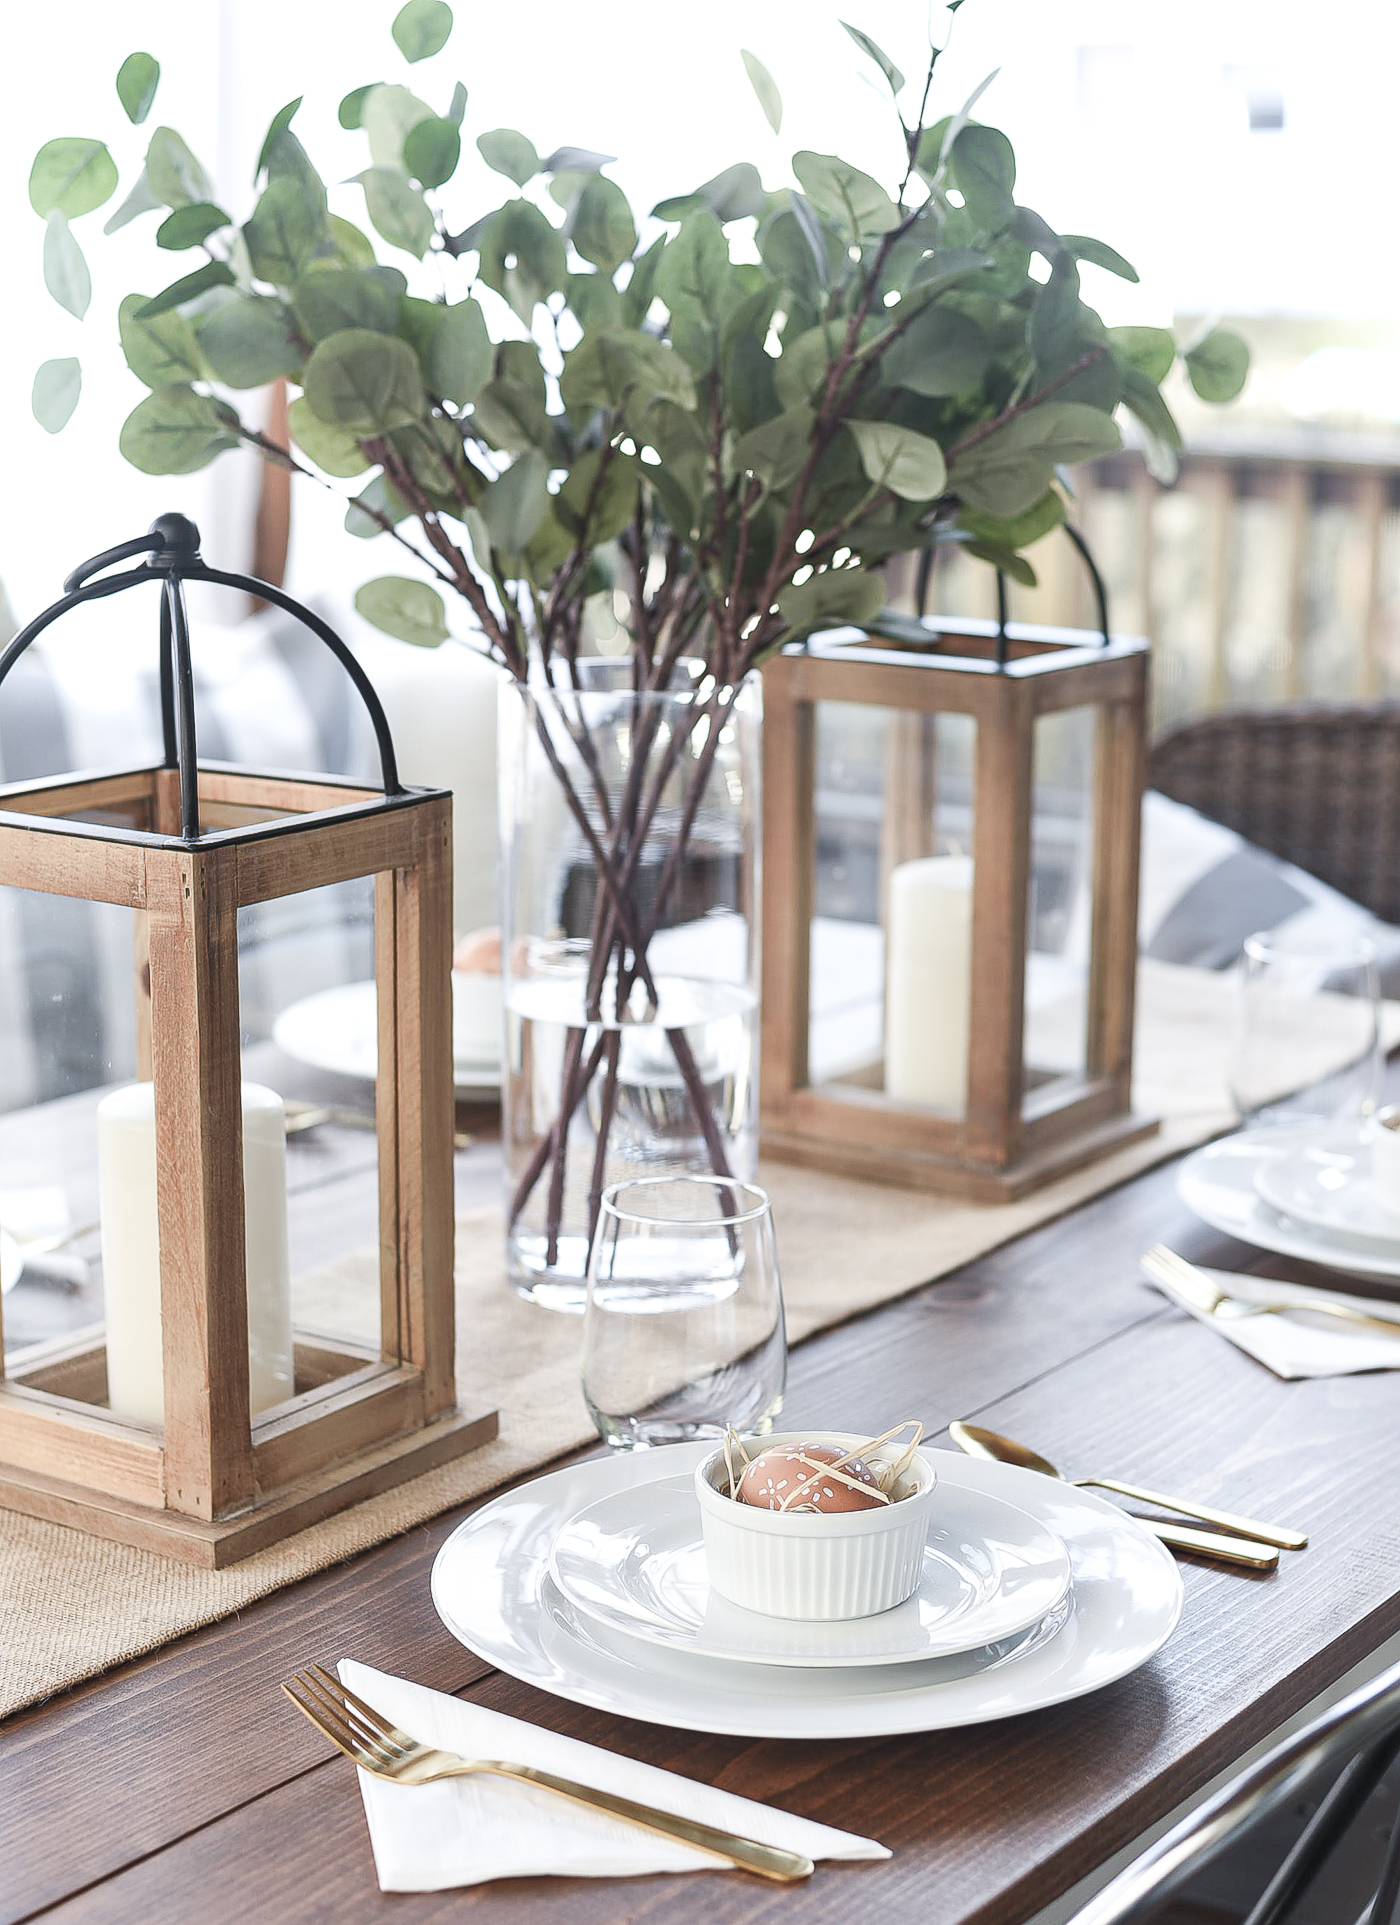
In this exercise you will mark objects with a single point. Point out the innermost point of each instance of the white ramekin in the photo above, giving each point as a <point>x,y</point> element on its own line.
<point>800,1565</point>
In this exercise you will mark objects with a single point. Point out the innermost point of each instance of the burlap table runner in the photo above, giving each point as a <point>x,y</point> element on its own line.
<point>71,1605</point>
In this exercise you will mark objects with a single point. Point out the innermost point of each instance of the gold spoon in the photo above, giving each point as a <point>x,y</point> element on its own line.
<point>1246,1546</point>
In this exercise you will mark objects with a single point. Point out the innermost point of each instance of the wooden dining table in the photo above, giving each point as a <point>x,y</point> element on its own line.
<point>183,1787</point>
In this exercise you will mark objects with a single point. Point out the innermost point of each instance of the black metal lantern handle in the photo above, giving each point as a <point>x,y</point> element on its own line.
<point>172,555</point>
<point>1100,591</point>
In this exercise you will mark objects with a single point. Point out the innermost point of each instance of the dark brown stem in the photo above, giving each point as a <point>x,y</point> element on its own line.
<point>611,1052</point>
<point>695,1088</point>
<point>1021,407</point>
<point>540,1156</point>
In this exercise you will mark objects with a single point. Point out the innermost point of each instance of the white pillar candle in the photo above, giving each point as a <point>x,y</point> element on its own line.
<point>126,1159</point>
<point>928,990</point>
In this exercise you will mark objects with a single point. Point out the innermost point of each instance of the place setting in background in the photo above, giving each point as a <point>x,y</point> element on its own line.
<point>1313,1174</point>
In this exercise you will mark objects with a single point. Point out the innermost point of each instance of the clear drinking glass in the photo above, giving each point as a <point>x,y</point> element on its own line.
<point>683,1328</point>
<point>1307,1030</point>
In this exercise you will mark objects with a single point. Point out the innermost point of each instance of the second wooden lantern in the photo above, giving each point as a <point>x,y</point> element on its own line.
<point>950,882</point>
<point>203,1426</point>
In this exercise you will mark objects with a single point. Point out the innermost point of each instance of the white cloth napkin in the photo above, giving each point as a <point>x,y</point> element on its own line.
<point>1302,1344</point>
<point>467,1830</point>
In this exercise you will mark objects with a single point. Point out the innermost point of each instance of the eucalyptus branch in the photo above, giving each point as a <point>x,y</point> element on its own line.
<point>1086,360</point>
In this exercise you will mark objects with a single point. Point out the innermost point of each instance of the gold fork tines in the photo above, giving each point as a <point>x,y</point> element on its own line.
<point>376,1746</point>
<point>1201,1289</point>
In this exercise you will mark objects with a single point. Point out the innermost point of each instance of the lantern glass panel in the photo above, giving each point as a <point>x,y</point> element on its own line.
<point>308,1011</point>
<point>891,927</point>
<point>1059,907</point>
<point>67,1035</point>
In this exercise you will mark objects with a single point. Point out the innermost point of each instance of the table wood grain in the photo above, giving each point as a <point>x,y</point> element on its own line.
<point>184,1788</point>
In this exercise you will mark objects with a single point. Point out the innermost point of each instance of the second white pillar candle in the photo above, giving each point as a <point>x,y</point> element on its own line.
<point>928,982</point>
<point>126,1148</point>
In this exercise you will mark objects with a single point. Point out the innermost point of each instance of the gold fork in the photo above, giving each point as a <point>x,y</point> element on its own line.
<point>377,1746</point>
<point>1165,1266</point>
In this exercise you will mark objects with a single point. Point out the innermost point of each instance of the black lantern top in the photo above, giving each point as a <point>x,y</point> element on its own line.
<point>171,550</point>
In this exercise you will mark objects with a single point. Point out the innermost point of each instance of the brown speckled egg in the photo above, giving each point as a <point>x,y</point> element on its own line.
<point>779,1480</point>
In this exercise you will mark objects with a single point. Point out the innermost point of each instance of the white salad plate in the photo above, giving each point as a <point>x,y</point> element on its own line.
<point>634,1563</point>
<point>1327,1184</point>
<point>338,1030</point>
<point>492,1588</point>
<point>1220,1183</point>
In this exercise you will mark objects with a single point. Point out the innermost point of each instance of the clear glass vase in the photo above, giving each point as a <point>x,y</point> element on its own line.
<point>629,872</point>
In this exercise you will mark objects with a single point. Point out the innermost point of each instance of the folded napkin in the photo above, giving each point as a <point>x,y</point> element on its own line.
<point>467,1830</point>
<point>1303,1343</point>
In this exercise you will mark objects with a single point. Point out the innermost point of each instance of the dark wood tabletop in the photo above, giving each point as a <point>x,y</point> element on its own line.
<point>184,1787</point>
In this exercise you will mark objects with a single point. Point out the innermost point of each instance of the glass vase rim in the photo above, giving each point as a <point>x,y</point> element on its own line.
<point>703,681</point>
<point>725,1220</point>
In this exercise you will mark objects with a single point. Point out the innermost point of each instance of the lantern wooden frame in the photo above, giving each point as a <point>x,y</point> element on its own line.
<point>1004,678</point>
<point>213,1485</point>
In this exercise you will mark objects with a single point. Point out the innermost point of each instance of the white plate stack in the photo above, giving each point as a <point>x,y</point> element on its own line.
<point>591,1583</point>
<point>1302,1190</point>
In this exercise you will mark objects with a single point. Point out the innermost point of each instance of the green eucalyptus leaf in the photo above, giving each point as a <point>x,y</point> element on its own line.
<point>776,450</point>
<point>162,352</point>
<point>984,168</point>
<point>805,363</point>
<point>1150,350</point>
<point>575,160</point>
<point>520,234</point>
<point>284,232</point>
<point>397,211</point>
<point>1218,366</point>
<point>421,29</point>
<point>601,225</point>
<point>353,106</point>
<point>511,154</point>
<point>333,450</point>
<point>677,437</point>
<point>137,80</point>
<point>516,503</point>
<point>764,85</point>
<point>71,177</point>
<point>187,288</point>
<point>457,364</point>
<point>431,151</point>
<point>176,177</point>
<point>941,352</point>
<point>335,298</point>
<point>594,302</point>
<point>277,126</point>
<point>479,535</point>
<point>1008,470</point>
<point>692,275</point>
<point>1099,254</point>
<point>139,201</point>
<point>831,599</point>
<point>249,341</point>
<point>388,116</point>
<point>1056,318</point>
<point>410,610</point>
<point>785,248</point>
<point>65,270</point>
<point>378,502</point>
<point>54,396</point>
<point>175,431</point>
<point>623,367</point>
<point>878,55</point>
<point>345,246</point>
<point>816,238</point>
<point>910,465</point>
<point>946,267</point>
<point>457,109</point>
<point>1141,398</point>
<point>363,382</point>
<point>1015,531</point>
<point>736,194</point>
<point>431,450</point>
<point>596,507</point>
<point>1005,560</point>
<point>857,204</point>
<point>191,226</point>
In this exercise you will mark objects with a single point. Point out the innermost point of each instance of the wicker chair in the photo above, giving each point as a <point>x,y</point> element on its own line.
<point>1316,784</point>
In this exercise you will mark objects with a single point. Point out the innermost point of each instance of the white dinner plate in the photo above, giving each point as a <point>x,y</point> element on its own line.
<point>492,1589</point>
<point>1219,1182</point>
<point>338,1030</point>
<point>635,1563</point>
<point>1327,1184</point>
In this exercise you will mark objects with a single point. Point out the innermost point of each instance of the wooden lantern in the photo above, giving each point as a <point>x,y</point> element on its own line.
<point>954,721</point>
<point>184,846</point>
